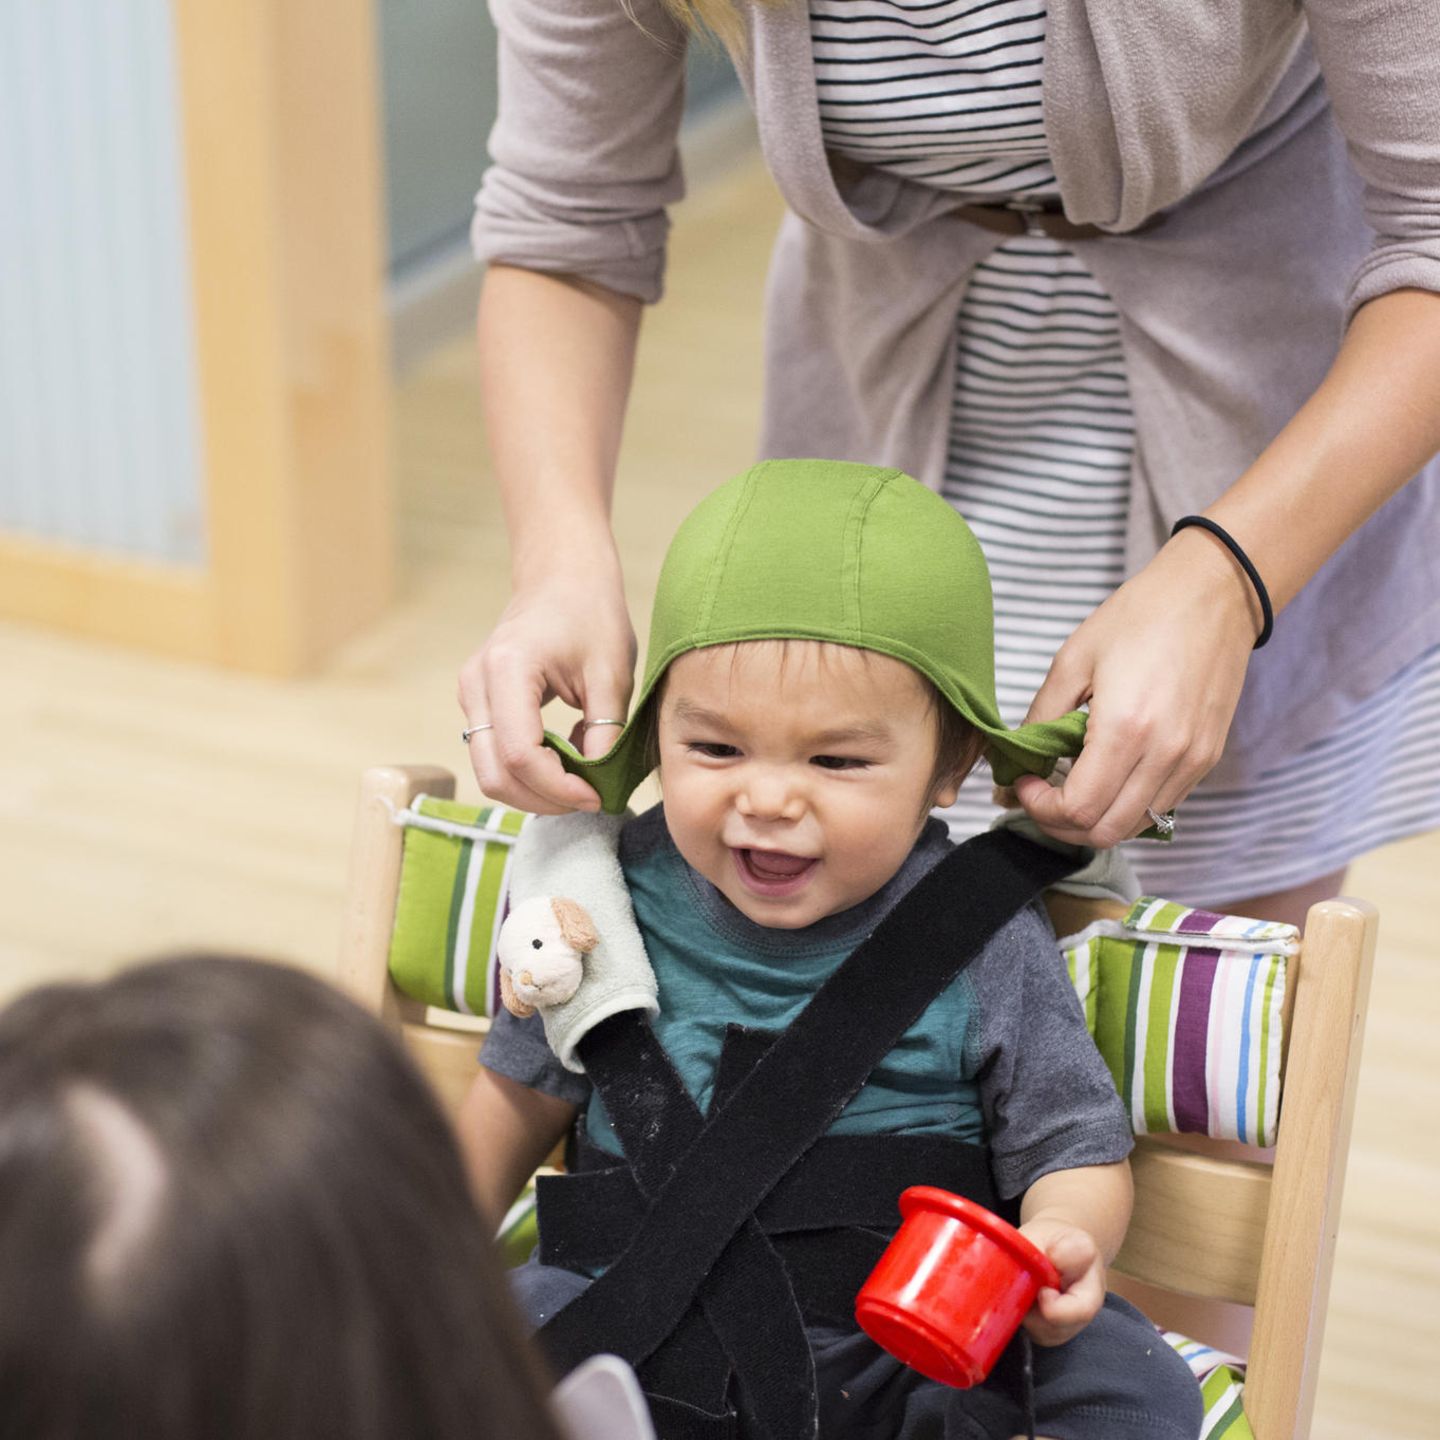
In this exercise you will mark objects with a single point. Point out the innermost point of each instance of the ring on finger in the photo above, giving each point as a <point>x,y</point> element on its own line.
<point>470,730</point>
<point>591,724</point>
<point>1165,823</point>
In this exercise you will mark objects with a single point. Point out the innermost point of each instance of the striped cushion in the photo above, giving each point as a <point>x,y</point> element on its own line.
<point>1185,1006</point>
<point>451,868</point>
<point>519,1231</point>
<point>1222,1379</point>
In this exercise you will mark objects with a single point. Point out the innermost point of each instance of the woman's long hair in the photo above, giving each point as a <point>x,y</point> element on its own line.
<point>720,17</point>
<point>231,1210</point>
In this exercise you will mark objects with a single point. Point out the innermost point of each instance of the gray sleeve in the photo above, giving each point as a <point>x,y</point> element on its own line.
<point>585,147</point>
<point>518,1050</point>
<point>1048,1098</point>
<point>1381,63</point>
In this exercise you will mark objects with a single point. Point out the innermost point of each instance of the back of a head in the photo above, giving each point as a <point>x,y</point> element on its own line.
<point>230,1209</point>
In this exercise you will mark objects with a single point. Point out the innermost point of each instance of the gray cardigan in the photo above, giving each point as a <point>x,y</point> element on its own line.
<point>1215,116</point>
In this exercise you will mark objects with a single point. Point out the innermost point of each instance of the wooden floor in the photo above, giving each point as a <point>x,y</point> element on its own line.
<point>151,806</point>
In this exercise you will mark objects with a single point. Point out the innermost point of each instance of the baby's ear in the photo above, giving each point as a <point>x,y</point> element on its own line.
<point>577,929</point>
<point>945,791</point>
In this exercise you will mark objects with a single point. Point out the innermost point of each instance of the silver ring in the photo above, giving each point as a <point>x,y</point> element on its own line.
<point>475,730</point>
<point>1165,824</point>
<point>591,724</point>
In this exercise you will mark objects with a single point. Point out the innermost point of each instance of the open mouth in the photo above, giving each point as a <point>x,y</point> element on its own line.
<point>773,873</point>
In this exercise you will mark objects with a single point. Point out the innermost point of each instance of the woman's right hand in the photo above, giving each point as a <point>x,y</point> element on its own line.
<point>567,635</point>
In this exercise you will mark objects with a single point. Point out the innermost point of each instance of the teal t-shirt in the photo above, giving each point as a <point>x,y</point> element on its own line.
<point>715,967</point>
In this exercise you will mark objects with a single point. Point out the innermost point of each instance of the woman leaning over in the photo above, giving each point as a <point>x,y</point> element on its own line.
<point>1086,270</point>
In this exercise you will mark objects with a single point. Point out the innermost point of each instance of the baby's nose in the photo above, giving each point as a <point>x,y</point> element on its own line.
<point>772,795</point>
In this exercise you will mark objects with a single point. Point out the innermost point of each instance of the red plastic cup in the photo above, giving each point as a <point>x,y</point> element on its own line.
<point>951,1288</point>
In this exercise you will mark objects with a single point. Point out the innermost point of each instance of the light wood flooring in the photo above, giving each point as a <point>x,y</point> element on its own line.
<point>150,806</point>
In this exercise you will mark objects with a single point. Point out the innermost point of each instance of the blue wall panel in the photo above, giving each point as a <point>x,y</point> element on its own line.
<point>99,443</point>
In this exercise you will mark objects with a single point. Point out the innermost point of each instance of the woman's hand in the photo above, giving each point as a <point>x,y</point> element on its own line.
<point>1060,1315</point>
<point>1161,663</point>
<point>568,635</point>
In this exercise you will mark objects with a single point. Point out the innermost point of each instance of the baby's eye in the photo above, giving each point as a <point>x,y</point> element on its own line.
<point>839,762</point>
<point>712,750</point>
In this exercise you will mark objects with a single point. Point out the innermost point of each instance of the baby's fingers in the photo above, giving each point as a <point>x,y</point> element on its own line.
<point>1074,1254</point>
<point>1076,1306</point>
<point>1059,1315</point>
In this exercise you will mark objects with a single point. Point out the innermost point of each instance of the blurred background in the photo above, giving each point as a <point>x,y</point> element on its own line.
<point>247,535</point>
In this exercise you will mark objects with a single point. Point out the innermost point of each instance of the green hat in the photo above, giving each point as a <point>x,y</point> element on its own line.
<point>826,550</point>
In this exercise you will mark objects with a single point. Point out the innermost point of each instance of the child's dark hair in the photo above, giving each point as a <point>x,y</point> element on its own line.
<point>958,744</point>
<point>230,1209</point>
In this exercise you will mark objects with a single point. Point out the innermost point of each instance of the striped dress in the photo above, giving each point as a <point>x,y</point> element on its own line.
<point>947,92</point>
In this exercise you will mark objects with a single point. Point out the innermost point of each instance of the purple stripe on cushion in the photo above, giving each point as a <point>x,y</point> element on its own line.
<point>1199,922</point>
<point>1192,1023</point>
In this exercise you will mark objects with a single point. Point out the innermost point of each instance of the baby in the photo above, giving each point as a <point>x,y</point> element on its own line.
<point>820,676</point>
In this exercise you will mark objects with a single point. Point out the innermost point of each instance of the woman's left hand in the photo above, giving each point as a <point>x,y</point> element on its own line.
<point>1161,664</point>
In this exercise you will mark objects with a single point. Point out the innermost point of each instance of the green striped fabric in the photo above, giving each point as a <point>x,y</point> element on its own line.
<point>1185,1006</point>
<point>460,871</point>
<point>1222,1381</point>
<point>519,1232</point>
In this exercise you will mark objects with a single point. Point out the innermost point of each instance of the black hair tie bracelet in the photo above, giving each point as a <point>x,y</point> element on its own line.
<point>1229,542</point>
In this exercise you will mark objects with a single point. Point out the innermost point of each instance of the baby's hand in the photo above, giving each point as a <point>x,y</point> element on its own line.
<point>1059,1315</point>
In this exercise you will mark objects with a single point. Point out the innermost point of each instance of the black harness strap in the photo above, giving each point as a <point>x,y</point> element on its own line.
<point>828,1268</point>
<point>743,1047</point>
<point>656,1120</point>
<point>705,1179</point>
<point>844,1180</point>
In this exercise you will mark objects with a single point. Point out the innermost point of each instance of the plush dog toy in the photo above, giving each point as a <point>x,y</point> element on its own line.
<point>542,949</point>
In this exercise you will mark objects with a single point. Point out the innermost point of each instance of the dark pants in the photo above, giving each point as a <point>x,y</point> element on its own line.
<point>1116,1380</point>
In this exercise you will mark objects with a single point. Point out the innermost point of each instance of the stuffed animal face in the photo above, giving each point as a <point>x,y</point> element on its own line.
<point>541,951</point>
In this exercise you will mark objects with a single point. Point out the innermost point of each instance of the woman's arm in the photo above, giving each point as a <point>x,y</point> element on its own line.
<point>556,357</point>
<point>572,221</point>
<point>1162,661</point>
<point>1374,421</point>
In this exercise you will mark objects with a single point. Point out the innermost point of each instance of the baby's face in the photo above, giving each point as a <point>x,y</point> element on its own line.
<point>796,777</point>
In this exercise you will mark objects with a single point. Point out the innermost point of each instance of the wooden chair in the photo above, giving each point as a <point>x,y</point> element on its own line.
<point>1218,1230</point>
